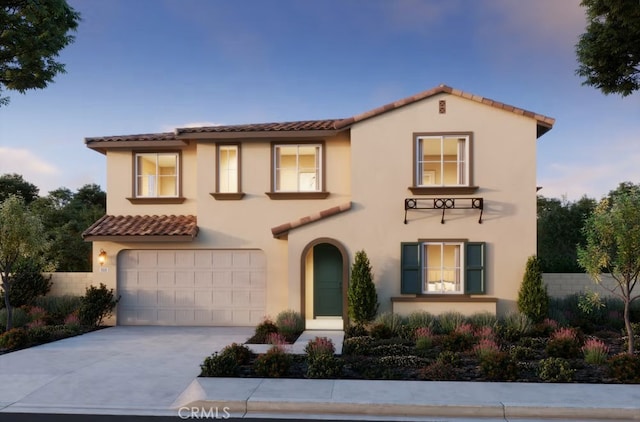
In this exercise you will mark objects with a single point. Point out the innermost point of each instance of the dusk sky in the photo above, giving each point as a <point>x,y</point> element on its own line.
<point>149,66</point>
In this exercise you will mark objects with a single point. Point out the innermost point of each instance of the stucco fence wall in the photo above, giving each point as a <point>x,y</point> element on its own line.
<point>74,284</point>
<point>564,284</point>
<point>558,284</point>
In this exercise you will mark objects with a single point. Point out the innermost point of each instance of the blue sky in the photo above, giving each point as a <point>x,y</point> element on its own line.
<point>152,65</point>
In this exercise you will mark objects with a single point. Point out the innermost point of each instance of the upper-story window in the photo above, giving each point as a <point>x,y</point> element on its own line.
<point>297,168</point>
<point>442,160</point>
<point>157,175</point>
<point>228,169</point>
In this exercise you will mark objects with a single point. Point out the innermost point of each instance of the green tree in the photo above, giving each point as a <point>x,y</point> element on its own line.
<point>32,34</point>
<point>21,237</point>
<point>363,299</point>
<point>533,299</point>
<point>65,216</point>
<point>613,246</point>
<point>609,50</point>
<point>560,225</point>
<point>14,184</point>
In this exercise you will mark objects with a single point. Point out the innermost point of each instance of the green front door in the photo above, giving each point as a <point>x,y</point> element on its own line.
<point>327,280</point>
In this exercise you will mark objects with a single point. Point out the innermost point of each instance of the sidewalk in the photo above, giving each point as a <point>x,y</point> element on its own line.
<point>413,400</point>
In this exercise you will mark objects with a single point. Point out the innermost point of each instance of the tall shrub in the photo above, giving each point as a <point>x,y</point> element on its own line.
<point>363,299</point>
<point>533,299</point>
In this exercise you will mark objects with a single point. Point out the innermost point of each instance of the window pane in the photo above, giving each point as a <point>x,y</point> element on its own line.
<point>430,159</point>
<point>442,268</point>
<point>441,161</point>
<point>228,169</point>
<point>156,175</point>
<point>297,168</point>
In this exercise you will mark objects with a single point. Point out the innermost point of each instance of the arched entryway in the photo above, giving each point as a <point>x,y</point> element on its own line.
<point>325,272</point>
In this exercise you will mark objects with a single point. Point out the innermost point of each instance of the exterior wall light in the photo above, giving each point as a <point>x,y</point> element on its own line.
<point>102,257</point>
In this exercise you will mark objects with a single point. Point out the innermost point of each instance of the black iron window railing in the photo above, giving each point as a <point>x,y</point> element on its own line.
<point>443,204</point>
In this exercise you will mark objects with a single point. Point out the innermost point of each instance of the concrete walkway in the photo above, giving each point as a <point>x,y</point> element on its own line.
<point>153,371</point>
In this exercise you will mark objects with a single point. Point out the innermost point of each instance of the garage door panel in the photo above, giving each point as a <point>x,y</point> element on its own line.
<point>203,279</point>
<point>191,287</point>
<point>146,259</point>
<point>166,279</point>
<point>221,278</point>
<point>203,259</point>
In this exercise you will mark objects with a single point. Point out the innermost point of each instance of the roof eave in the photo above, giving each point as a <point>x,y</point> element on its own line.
<point>141,238</point>
<point>276,134</point>
<point>102,146</point>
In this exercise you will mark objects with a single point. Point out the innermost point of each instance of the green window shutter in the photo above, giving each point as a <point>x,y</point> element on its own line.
<point>475,259</point>
<point>410,279</point>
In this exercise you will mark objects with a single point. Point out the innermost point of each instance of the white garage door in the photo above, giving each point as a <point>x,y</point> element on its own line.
<point>191,287</point>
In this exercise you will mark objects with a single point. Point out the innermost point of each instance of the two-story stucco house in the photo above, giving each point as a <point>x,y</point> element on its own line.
<point>224,225</point>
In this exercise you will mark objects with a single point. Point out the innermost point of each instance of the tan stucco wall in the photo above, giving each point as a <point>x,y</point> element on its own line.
<point>371,165</point>
<point>225,224</point>
<point>504,147</point>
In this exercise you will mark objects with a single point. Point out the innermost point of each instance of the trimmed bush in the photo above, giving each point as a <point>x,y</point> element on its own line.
<point>357,345</point>
<point>563,344</point>
<point>555,370</point>
<point>240,353</point>
<point>97,304</point>
<point>533,299</point>
<point>15,338</point>
<point>625,368</point>
<point>262,331</point>
<point>273,364</point>
<point>362,296</point>
<point>498,366</point>
<point>324,366</point>
<point>319,346</point>
<point>219,365</point>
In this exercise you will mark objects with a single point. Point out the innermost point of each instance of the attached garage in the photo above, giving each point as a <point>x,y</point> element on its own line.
<point>191,287</point>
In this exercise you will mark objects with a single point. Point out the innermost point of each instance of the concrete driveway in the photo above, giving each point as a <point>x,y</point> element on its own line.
<point>113,369</point>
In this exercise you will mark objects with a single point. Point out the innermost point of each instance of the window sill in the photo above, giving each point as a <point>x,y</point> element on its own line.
<point>439,297</point>
<point>227,196</point>
<point>176,200</point>
<point>443,190</point>
<point>297,195</point>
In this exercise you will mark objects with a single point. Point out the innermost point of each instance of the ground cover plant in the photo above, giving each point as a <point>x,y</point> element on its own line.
<point>480,347</point>
<point>51,318</point>
<point>284,330</point>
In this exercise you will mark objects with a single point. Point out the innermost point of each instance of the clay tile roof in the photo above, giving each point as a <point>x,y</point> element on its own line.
<point>328,124</point>
<point>167,136</point>
<point>143,225</point>
<point>544,123</point>
<point>283,229</point>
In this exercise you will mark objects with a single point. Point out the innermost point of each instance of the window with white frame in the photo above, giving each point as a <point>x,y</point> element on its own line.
<point>442,267</point>
<point>157,175</point>
<point>297,168</point>
<point>228,169</point>
<point>442,160</point>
